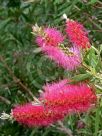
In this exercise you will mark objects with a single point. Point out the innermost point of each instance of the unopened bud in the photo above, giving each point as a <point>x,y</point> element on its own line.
<point>64,16</point>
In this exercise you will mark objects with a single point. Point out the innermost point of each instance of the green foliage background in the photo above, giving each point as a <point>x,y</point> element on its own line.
<point>31,68</point>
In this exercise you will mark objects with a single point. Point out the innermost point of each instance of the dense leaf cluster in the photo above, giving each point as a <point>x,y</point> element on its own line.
<point>23,69</point>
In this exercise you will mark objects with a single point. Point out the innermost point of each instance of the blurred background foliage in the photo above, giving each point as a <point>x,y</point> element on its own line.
<point>23,68</point>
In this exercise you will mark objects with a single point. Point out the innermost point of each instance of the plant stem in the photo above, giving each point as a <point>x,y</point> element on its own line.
<point>85,66</point>
<point>90,71</point>
<point>64,129</point>
<point>5,100</point>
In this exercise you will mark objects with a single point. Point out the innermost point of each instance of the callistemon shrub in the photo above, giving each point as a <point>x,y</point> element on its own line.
<point>61,98</point>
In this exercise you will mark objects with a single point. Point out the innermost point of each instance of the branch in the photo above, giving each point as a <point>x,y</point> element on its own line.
<point>64,129</point>
<point>5,100</point>
<point>17,80</point>
<point>91,20</point>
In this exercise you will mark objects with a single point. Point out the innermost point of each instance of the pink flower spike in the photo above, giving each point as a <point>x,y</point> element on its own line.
<point>56,85</point>
<point>68,98</point>
<point>52,37</point>
<point>35,115</point>
<point>77,34</point>
<point>67,61</point>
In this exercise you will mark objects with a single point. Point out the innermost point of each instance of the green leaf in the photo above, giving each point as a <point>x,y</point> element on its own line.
<point>92,1</point>
<point>92,58</point>
<point>4,23</point>
<point>97,121</point>
<point>81,77</point>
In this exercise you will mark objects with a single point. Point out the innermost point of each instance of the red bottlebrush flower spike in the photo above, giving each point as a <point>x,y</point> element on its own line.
<point>35,115</point>
<point>67,98</point>
<point>51,37</point>
<point>77,34</point>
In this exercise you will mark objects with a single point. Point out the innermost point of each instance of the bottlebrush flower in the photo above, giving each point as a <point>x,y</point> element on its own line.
<point>35,115</point>
<point>66,98</point>
<point>50,37</point>
<point>69,61</point>
<point>77,34</point>
<point>50,43</point>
